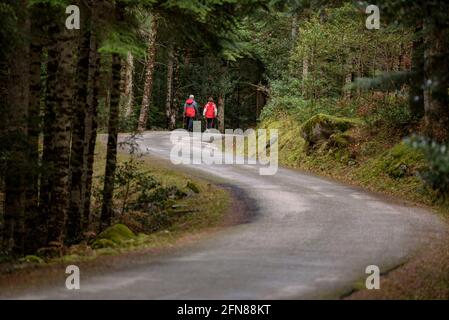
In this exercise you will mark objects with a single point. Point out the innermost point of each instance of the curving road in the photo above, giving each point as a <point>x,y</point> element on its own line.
<point>307,238</point>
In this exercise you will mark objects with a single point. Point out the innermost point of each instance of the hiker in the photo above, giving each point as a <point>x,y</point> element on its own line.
<point>190,112</point>
<point>210,113</point>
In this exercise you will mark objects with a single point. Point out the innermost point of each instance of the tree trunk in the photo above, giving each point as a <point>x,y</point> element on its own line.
<point>34,120</point>
<point>176,83</point>
<point>76,208</point>
<point>17,162</point>
<point>305,75</point>
<point>111,157</point>
<point>294,29</point>
<point>62,102</point>
<point>46,179</point>
<point>221,113</point>
<point>128,95</point>
<point>90,137</point>
<point>148,87</point>
<point>436,99</point>
<point>169,108</point>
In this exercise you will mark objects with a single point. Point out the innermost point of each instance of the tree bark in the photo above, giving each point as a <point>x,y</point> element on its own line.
<point>221,113</point>
<point>294,28</point>
<point>436,64</point>
<point>148,87</point>
<point>169,108</point>
<point>176,82</point>
<point>91,125</point>
<point>62,102</point>
<point>46,179</point>
<point>34,121</point>
<point>305,75</point>
<point>17,162</point>
<point>111,157</point>
<point>77,156</point>
<point>128,95</point>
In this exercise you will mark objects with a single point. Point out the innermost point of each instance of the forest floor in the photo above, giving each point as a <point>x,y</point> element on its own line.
<point>211,210</point>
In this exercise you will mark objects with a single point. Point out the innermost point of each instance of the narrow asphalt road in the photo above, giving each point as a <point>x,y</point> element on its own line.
<point>307,238</point>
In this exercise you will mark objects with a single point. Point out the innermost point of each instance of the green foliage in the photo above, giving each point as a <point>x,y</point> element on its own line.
<point>436,171</point>
<point>144,203</point>
<point>338,45</point>
<point>132,184</point>
<point>390,113</point>
<point>387,81</point>
<point>8,32</point>
<point>270,41</point>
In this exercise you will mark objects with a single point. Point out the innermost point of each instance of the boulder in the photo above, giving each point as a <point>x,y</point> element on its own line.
<point>321,127</point>
<point>117,234</point>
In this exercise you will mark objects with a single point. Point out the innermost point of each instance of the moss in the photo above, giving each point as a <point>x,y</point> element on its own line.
<point>117,234</point>
<point>397,162</point>
<point>192,186</point>
<point>71,258</point>
<point>104,243</point>
<point>108,251</point>
<point>322,127</point>
<point>291,144</point>
<point>340,139</point>
<point>32,259</point>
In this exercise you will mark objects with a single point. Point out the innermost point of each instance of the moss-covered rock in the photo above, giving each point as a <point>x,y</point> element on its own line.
<point>104,243</point>
<point>117,234</point>
<point>340,139</point>
<point>193,187</point>
<point>322,127</point>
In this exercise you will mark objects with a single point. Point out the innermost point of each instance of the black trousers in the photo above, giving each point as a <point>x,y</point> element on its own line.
<point>210,123</point>
<point>189,123</point>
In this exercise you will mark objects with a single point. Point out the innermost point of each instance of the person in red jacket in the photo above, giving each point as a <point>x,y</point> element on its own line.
<point>210,112</point>
<point>190,112</point>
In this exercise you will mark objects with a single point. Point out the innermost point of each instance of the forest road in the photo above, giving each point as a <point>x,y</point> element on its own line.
<point>306,237</point>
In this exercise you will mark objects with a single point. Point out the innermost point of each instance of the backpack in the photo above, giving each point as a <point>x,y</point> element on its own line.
<point>190,109</point>
<point>210,110</point>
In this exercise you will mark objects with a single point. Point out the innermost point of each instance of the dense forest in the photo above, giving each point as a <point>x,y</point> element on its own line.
<point>268,63</point>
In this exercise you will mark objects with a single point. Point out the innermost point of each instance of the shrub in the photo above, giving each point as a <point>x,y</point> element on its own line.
<point>392,113</point>
<point>436,171</point>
